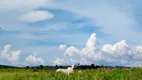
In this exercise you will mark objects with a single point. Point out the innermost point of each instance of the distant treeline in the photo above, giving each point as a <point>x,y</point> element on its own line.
<point>92,66</point>
<point>7,67</point>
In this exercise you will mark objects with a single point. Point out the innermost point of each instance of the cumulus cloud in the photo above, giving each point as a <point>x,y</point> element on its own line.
<point>36,16</point>
<point>92,41</point>
<point>62,47</point>
<point>117,54</point>
<point>58,61</point>
<point>10,55</point>
<point>34,60</point>
<point>139,49</point>
<point>71,50</point>
<point>13,57</point>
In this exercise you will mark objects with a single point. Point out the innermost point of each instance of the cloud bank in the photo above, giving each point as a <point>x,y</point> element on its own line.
<point>118,54</point>
<point>12,57</point>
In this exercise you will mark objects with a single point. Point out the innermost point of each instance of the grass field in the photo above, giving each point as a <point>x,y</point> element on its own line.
<point>91,74</point>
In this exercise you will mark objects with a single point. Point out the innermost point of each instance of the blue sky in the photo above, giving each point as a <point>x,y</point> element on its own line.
<point>38,29</point>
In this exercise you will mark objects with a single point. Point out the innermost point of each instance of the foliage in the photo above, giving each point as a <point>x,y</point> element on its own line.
<point>88,74</point>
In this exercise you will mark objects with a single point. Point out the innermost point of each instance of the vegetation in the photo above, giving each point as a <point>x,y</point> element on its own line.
<point>79,74</point>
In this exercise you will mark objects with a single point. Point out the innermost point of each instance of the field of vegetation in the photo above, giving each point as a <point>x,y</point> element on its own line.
<point>89,74</point>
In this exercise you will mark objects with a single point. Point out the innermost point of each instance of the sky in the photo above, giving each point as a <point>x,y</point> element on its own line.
<point>66,32</point>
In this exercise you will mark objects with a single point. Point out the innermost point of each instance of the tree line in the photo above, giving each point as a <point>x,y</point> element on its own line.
<point>78,66</point>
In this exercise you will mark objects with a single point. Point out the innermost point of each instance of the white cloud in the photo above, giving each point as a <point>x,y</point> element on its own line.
<point>9,54</point>
<point>90,51</point>
<point>33,60</point>
<point>139,49</point>
<point>92,41</point>
<point>14,56</point>
<point>138,54</point>
<point>120,49</point>
<point>71,51</point>
<point>36,16</point>
<point>58,61</point>
<point>117,54</point>
<point>62,47</point>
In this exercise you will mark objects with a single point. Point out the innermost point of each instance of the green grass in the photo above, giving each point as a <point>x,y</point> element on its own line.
<point>92,74</point>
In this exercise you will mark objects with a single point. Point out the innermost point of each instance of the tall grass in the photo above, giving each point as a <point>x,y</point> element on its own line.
<point>91,74</point>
